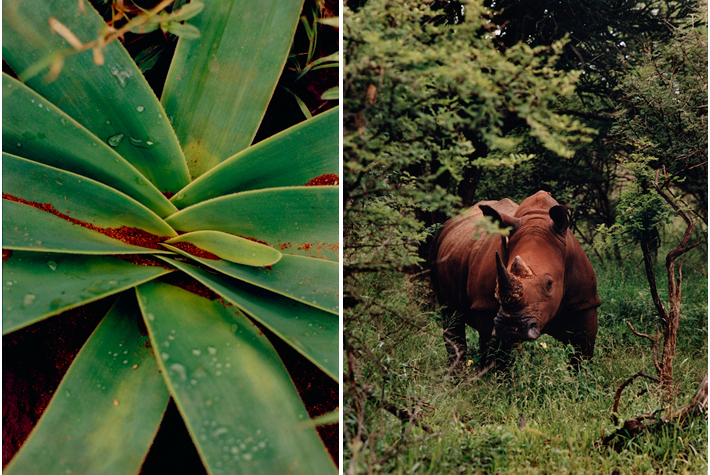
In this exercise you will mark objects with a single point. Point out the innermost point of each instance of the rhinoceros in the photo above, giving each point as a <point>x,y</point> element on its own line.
<point>535,280</point>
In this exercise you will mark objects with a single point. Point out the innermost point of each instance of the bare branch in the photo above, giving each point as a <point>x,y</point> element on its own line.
<point>654,341</point>
<point>621,388</point>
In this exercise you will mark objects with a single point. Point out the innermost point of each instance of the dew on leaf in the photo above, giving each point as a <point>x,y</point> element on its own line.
<point>140,108</point>
<point>139,143</point>
<point>115,140</point>
<point>120,75</point>
<point>219,431</point>
<point>180,370</point>
<point>28,299</point>
<point>52,265</point>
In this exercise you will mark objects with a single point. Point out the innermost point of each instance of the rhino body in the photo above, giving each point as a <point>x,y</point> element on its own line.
<point>536,280</point>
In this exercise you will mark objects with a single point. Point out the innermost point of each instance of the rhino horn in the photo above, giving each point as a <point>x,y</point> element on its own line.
<point>520,269</point>
<point>509,288</point>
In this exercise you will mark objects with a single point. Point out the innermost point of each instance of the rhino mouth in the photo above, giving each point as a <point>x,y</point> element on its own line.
<point>515,327</point>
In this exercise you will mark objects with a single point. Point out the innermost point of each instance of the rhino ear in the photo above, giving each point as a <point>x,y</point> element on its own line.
<point>503,220</point>
<point>559,218</point>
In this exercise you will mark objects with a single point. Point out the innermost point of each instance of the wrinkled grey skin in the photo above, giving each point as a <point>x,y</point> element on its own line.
<point>536,280</point>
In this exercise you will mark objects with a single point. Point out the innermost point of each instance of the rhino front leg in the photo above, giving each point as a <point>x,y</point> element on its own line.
<point>455,338</point>
<point>580,332</point>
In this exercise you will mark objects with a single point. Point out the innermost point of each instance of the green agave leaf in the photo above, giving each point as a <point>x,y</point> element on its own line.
<point>107,409</point>
<point>237,399</point>
<point>27,228</point>
<point>297,220</point>
<point>77,196</point>
<point>231,248</point>
<point>312,332</point>
<point>35,129</point>
<point>37,285</point>
<point>310,281</point>
<point>237,60</point>
<point>112,100</point>
<point>290,158</point>
<point>332,417</point>
<point>332,94</point>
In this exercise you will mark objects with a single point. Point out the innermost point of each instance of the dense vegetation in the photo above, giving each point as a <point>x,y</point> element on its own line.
<point>474,426</point>
<point>596,103</point>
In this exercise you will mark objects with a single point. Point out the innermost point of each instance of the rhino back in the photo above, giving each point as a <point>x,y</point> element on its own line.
<point>580,278</point>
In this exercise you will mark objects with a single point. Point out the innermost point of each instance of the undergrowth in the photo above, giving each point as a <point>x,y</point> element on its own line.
<point>541,416</point>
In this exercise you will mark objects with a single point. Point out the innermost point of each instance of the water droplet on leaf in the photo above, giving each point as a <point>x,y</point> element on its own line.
<point>180,370</point>
<point>115,140</point>
<point>122,76</point>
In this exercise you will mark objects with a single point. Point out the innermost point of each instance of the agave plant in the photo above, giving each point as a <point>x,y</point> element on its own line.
<point>202,238</point>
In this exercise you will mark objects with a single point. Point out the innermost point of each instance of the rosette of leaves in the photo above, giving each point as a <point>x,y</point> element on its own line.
<point>202,238</point>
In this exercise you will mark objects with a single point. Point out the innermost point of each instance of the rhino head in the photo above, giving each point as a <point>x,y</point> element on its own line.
<point>530,289</point>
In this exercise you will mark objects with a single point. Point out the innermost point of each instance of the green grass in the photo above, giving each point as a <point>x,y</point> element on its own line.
<point>395,343</point>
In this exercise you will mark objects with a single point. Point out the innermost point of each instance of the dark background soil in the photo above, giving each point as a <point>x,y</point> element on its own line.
<point>37,357</point>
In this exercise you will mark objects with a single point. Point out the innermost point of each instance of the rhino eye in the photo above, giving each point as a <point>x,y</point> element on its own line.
<point>549,284</point>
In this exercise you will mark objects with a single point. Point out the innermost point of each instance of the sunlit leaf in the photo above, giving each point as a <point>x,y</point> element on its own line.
<point>231,248</point>
<point>291,158</point>
<point>295,220</point>
<point>237,61</point>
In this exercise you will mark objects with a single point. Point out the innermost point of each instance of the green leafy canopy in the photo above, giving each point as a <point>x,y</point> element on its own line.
<point>203,238</point>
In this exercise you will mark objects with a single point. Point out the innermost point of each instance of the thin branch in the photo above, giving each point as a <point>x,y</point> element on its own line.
<point>621,388</point>
<point>654,341</point>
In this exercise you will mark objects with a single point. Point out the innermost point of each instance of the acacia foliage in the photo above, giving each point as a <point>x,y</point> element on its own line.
<point>663,112</point>
<point>424,101</point>
<point>606,42</point>
<point>662,124</point>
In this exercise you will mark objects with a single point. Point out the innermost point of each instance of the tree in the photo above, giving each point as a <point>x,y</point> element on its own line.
<point>662,122</point>
<point>424,101</point>
<point>605,40</point>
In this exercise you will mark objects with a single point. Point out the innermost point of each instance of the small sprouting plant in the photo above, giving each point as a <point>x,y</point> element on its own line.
<point>202,238</point>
